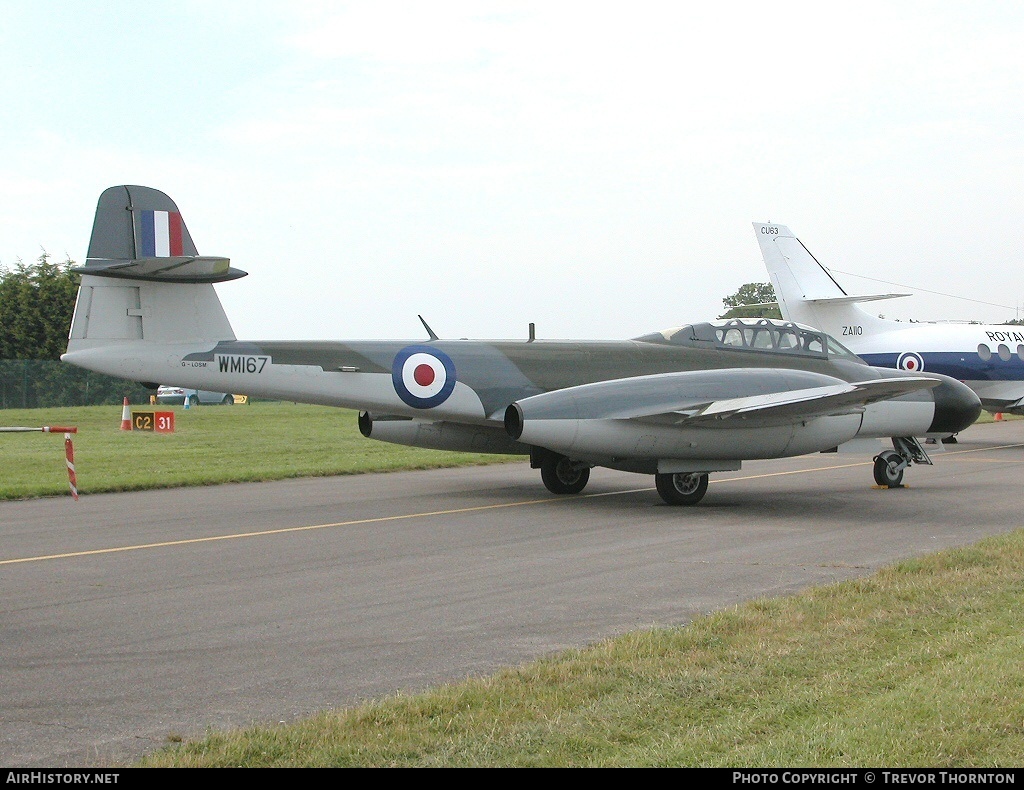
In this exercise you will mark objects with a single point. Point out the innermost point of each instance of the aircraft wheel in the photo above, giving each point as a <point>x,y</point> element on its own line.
<point>562,476</point>
<point>887,471</point>
<point>682,488</point>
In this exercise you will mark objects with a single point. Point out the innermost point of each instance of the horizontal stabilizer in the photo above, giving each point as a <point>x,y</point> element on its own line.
<point>754,304</point>
<point>854,299</point>
<point>174,269</point>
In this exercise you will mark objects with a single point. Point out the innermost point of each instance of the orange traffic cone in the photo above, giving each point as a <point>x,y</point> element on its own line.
<point>999,416</point>
<point>126,417</point>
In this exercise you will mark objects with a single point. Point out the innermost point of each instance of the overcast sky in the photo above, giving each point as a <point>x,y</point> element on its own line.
<point>591,167</point>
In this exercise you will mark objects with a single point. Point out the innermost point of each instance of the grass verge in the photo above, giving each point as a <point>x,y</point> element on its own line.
<point>916,666</point>
<point>210,445</point>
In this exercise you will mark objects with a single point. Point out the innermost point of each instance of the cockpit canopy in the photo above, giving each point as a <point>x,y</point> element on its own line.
<point>755,334</point>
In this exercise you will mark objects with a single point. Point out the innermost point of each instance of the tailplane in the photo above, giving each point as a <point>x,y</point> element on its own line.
<point>143,279</point>
<point>806,291</point>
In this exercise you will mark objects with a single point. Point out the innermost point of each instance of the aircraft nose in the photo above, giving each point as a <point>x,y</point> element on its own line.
<point>956,406</point>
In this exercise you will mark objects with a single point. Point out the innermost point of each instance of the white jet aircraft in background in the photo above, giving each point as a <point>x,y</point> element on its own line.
<point>989,358</point>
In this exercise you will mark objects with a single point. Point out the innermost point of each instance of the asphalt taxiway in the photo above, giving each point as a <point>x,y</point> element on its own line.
<point>131,619</point>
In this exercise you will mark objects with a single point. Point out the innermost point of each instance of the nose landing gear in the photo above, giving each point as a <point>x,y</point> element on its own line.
<point>890,464</point>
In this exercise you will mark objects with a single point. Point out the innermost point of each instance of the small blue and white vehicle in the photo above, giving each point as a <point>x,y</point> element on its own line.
<point>178,396</point>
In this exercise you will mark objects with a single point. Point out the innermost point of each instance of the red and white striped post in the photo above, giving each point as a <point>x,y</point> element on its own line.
<point>69,453</point>
<point>69,450</point>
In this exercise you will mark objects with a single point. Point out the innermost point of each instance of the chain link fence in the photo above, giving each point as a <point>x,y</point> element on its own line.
<point>42,383</point>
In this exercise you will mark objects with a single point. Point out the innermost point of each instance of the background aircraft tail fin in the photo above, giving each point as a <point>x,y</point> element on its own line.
<point>806,292</point>
<point>143,279</point>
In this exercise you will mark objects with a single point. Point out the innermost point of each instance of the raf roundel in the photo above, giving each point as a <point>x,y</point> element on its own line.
<point>908,360</point>
<point>424,377</point>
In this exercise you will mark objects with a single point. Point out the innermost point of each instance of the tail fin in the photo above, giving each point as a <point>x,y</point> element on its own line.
<point>806,291</point>
<point>139,234</point>
<point>143,279</point>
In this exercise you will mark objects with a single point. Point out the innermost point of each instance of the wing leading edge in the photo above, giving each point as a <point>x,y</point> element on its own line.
<point>810,403</point>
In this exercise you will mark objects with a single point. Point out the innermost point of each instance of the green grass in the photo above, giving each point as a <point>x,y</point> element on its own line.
<point>210,444</point>
<point>918,665</point>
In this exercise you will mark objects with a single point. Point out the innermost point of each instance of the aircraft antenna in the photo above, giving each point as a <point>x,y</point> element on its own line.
<point>427,327</point>
<point>924,290</point>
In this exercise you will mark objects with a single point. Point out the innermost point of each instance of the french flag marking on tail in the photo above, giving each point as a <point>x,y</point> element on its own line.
<point>161,234</point>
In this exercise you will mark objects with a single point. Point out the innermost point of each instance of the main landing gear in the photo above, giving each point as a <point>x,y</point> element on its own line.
<point>681,488</point>
<point>890,464</point>
<point>562,475</point>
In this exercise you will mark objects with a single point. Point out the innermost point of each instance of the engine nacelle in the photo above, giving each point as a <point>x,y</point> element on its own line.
<point>633,418</point>
<point>439,435</point>
<point>628,439</point>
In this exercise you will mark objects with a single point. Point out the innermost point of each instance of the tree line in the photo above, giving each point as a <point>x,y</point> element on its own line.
<point>37,302</point>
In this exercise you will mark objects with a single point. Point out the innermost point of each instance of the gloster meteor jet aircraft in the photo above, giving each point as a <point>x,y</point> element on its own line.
<point>677,404</point>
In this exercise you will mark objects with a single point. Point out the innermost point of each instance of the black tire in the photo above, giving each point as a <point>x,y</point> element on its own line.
<point>193,400</point>
<point>886,470</point>
<point>682,488</point>
<point>229,400</point>
<point>562,476</point>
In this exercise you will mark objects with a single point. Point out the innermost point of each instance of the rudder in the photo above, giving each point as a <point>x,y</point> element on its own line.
<point>133,222</point>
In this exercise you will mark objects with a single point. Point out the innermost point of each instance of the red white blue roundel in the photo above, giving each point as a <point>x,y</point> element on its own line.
<point>424,377</point>
<point>908,360</point>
